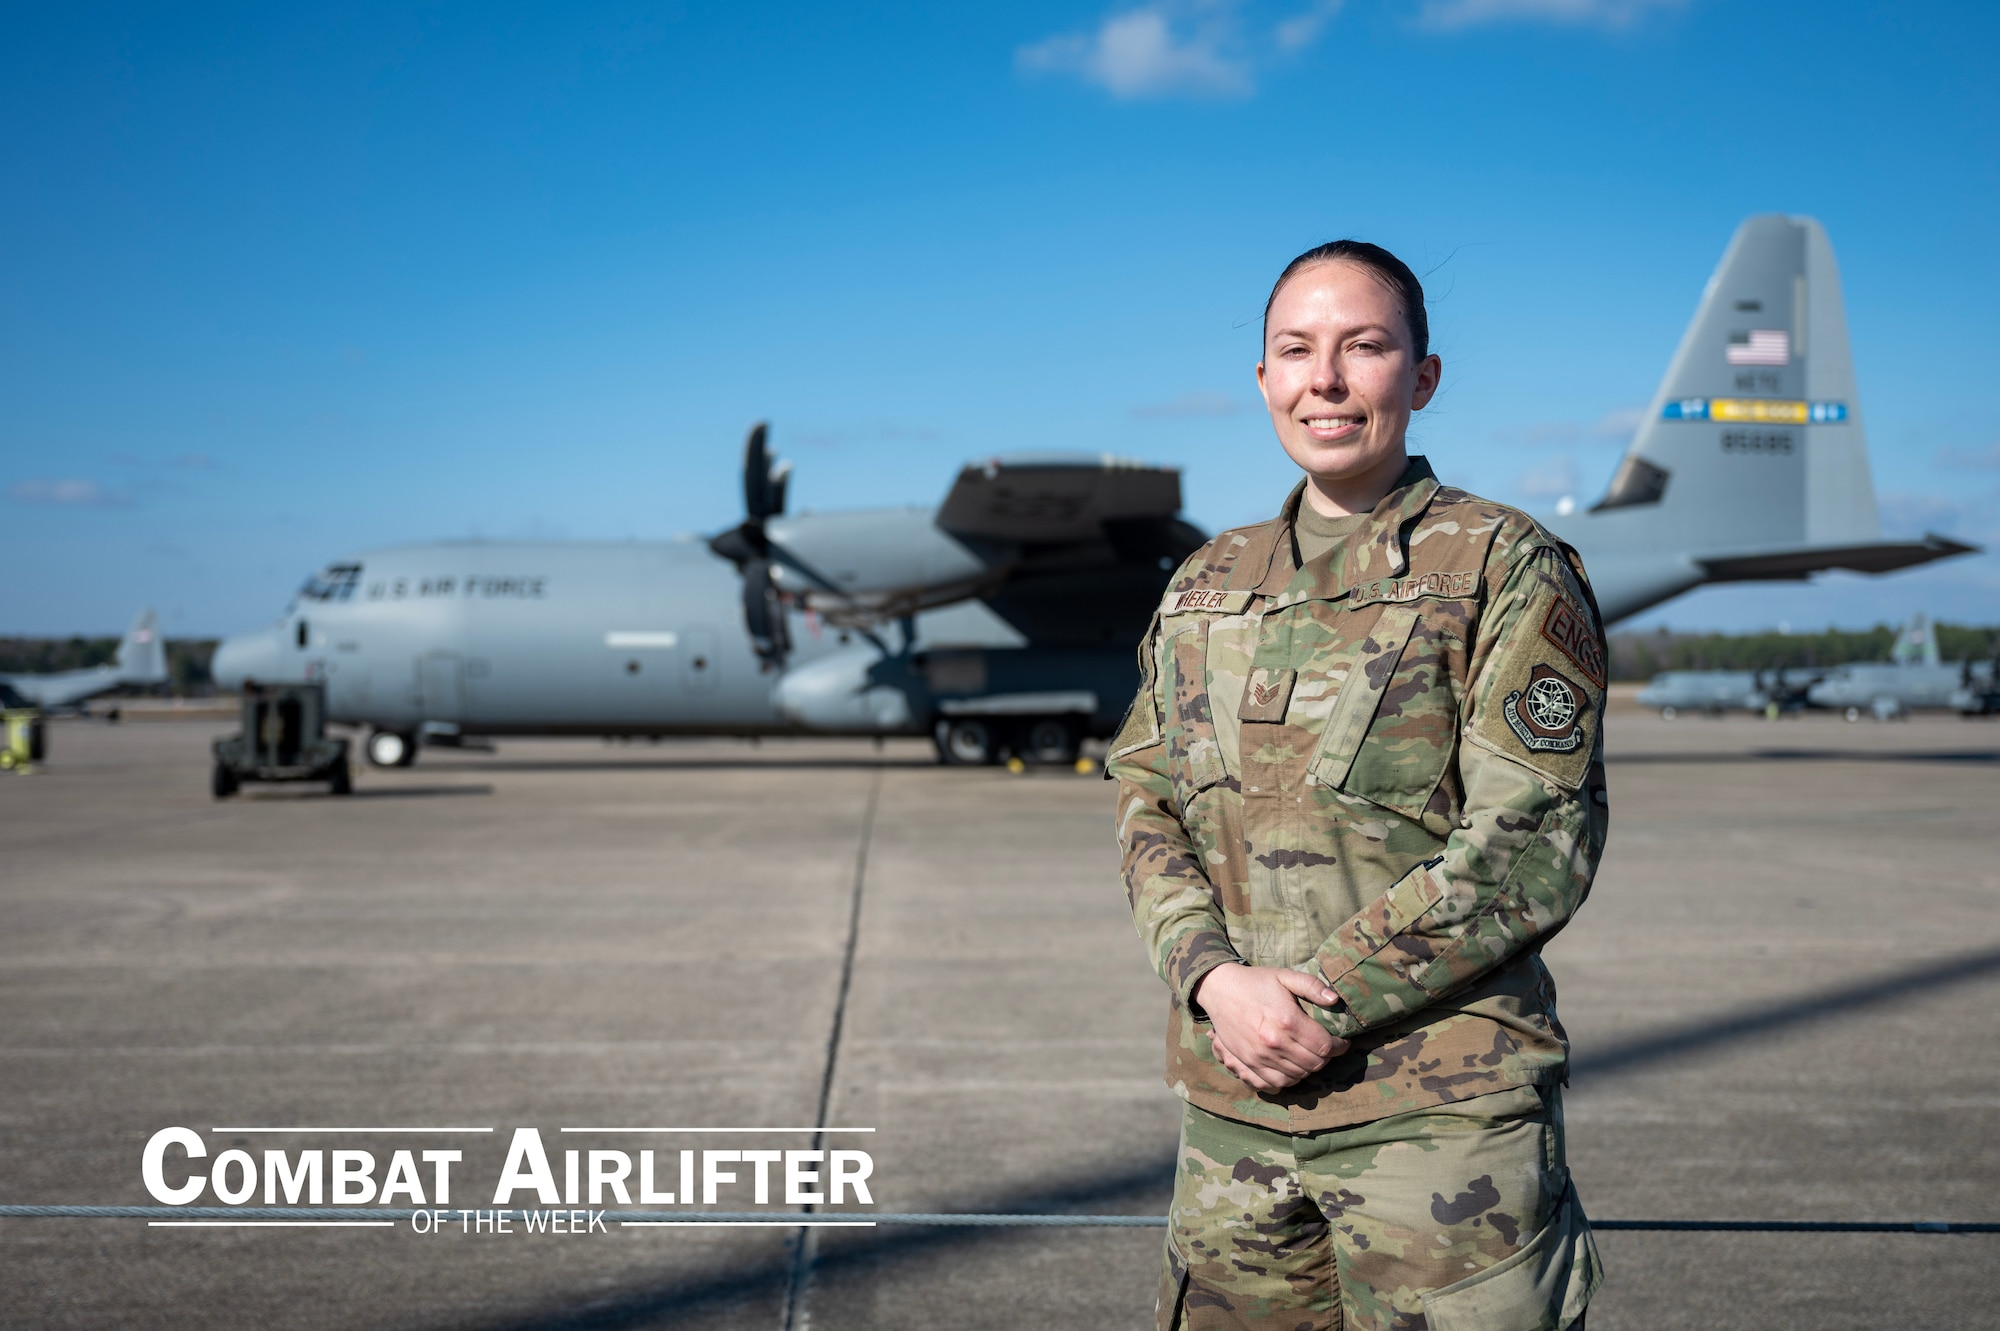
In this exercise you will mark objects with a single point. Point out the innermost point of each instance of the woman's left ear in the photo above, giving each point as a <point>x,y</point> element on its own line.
<point>1428,375</point>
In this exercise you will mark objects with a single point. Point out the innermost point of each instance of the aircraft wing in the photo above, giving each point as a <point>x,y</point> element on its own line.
<point>66,688</point>
<point>1056,500</point>
<point>1875,557</point>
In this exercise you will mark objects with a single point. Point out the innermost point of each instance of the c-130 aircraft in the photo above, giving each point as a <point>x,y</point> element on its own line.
<point>1004,620</point>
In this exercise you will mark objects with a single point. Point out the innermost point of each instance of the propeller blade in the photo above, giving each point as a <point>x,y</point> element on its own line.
<point>764,614</point>
<point>757,496</point>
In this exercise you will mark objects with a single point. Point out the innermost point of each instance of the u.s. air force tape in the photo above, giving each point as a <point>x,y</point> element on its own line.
<point>1418,585</point>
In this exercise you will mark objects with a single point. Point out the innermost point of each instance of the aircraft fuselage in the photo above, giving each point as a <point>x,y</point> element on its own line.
<point>506,638</point>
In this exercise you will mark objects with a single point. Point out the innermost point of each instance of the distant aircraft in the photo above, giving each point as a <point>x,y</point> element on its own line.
<point>1913,679</point>
<point>1004,619</point>
<point>1716,691</point>
<point>141,659</point>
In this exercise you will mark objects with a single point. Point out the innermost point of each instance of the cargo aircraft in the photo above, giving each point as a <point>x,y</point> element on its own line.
<point>1004,620</point>
<point>141,659</point>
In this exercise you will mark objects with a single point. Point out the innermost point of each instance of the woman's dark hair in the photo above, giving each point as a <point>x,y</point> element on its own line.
<point>1391,271</point>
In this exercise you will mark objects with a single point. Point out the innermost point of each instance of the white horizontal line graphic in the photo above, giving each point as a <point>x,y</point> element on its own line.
<point>717,1130</point>
<point>641,638</point>
<point>351,1130</point>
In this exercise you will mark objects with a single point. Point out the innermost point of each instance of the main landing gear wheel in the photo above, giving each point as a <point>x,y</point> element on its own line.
<point>390,748</point>
<point>1050,740</point>
<point>966,742</point>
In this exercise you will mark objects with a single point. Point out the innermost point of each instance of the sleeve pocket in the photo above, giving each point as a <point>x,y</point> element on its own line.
<point>1194,758</point>
<point>1543,1287</point>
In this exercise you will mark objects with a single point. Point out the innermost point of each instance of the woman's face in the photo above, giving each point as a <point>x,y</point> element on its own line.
<point>1341,378</point>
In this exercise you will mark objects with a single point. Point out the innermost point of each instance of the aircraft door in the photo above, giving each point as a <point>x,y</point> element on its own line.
<point>441,682</point>
<point>701,668</point>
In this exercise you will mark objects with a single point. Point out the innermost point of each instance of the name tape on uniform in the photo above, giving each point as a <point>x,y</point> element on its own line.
<point>1209,598</point>
<point>1411,589</point>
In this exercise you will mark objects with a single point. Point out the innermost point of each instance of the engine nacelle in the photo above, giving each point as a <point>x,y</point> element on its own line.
<point>840,694</point>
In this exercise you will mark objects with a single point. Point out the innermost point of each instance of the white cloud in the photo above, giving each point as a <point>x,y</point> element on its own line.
<point>1551,480</point>
<point>1190,405</point>
<point>1619,426</point>
<point>67,494</point>
<point>1302,30</point>
<point>1969,517</point>
<point>1154,51</point>
<point>1451,15</point>
<point>1969,459</point>
<point>1614,427</point>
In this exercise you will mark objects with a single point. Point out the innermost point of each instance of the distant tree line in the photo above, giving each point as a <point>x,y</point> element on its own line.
<point>1642,655</point>
<point>187,659</point>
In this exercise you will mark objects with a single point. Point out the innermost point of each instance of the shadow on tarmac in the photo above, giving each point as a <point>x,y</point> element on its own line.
<point>1838,1004</point>
<point>1143,1188</point>
<point>1812,756</point>
<point>1136,1188</point>
<point>362,793</point>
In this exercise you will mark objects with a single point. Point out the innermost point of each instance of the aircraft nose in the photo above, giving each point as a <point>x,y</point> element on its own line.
<point>245,656</point>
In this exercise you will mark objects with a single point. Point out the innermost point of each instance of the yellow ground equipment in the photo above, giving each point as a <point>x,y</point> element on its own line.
<point>23,743</point>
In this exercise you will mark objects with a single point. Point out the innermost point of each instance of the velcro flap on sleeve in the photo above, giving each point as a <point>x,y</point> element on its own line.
<point>1414,896</point>
<point>1540,699</point>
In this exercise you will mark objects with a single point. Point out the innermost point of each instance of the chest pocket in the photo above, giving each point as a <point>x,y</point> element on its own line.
<point>1194,755</point>
<point>1394,725</point>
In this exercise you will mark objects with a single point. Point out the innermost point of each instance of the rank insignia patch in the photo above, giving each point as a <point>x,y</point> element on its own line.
<point>1544,715</point>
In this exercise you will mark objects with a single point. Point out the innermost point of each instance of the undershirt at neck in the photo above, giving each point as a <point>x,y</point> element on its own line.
<point>1316,533</point>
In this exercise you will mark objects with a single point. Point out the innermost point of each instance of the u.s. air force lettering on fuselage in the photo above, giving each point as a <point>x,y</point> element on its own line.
<point>484,586</point>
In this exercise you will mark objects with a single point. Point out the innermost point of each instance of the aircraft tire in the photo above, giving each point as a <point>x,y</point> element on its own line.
<point>341,782</point>
<point>391,748</point>
<point>1851,714</point>
<point>1669,713</point>
<point>1051,740</point>
<point>222,782</point>
<point>967,742</point>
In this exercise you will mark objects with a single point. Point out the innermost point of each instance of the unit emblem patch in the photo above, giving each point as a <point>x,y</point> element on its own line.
<point>1544,715</point>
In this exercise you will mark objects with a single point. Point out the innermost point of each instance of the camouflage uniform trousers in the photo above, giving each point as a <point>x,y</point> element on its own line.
<point>1456,1217</point>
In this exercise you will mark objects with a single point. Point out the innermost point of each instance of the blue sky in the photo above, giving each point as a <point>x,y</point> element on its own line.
<point>279,284</point>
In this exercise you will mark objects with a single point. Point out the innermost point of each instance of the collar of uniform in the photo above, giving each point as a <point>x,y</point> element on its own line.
<point>1376,550</point>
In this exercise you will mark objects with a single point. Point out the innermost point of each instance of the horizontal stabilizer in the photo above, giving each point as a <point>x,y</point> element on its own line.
<point>1877,557</point>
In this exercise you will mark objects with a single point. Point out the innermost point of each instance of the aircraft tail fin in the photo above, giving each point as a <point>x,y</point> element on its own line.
<point>142,656</point>
<point>1917,643</point>
<point>1752,461</point>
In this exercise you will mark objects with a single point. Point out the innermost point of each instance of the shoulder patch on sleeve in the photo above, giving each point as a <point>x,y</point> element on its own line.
<point>1576,637</point>
<point>1540,700</point>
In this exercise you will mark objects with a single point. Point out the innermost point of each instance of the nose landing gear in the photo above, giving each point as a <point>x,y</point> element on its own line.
<point>391,748</point>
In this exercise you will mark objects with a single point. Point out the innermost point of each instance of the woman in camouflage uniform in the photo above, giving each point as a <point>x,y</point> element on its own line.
<point>1361,786</point>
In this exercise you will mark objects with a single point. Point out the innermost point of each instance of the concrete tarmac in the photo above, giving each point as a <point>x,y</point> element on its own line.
<point>1782,996</point>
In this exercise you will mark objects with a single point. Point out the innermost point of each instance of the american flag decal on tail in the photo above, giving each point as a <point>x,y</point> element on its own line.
<point>1761,346</point>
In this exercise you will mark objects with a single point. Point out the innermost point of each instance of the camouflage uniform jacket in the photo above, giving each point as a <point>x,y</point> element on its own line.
<point>1385,767</point>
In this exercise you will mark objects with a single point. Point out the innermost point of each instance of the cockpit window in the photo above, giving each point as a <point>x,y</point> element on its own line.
<point>336,582</point>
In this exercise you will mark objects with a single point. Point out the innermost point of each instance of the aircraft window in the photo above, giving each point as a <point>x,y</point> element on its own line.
<point>335,583</point>
<point>1637,482</point>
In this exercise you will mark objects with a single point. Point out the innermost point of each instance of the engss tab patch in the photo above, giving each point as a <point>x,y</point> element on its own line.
<point>1575,638</point>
